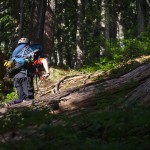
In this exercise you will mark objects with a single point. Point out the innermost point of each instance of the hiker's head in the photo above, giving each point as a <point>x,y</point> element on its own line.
<point>23,41</point>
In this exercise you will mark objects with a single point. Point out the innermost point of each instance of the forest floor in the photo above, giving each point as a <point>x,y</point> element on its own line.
<point>64,94</point>
<point>61,81</point>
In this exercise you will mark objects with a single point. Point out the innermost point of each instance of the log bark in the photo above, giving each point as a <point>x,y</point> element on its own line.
<point>137,80</point>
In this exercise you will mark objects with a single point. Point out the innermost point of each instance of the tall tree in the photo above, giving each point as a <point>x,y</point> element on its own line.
<point>32,9</point>
<point>49,33</point>
<point>148,2</point>
<point>107,18</point>
<point>113,19</point>
<point>140,16</point>
<point>41,20</point>
<point>79,44</point>
<point>61,39</point>
<point>20,34</point>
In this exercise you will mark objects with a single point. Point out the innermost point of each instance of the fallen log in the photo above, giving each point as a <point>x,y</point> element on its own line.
<point>137,80</point>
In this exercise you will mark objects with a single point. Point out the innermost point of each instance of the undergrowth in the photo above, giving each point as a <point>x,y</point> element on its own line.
<point>109,126</point>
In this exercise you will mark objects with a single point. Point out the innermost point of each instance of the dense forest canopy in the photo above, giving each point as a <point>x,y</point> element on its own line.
<point>77,32</point>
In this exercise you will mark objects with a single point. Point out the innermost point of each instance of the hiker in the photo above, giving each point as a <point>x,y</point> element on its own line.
<point>23,74</point>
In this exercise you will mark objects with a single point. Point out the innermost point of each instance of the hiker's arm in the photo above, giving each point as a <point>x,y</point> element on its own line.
<point>46,67</point>
<point>45,64</point>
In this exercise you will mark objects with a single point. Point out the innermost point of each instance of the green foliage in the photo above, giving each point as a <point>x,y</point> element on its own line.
<point>9,97</point>
<point>7,26</point>
<point>106,64</point>
<point>113,128</point>
<point>128,49</point>
<point>122,51</point>
<point>92,28</point>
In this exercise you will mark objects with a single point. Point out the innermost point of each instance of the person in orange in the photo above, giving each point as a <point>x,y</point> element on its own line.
<point>44,63</point>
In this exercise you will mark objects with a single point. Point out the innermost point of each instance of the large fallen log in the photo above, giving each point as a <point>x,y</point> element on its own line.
<point>138,80</point>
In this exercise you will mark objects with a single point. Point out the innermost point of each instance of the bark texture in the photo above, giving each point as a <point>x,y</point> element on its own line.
<point>136,81</point>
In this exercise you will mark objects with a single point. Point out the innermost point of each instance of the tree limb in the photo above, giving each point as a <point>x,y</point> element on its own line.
<point>148,2</point>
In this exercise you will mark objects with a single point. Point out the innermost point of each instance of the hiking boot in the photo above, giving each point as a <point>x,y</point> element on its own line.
<point>13,102</point>
<point>24,103</point>
<point>3,109</point>
<point>27,102</point>
<point>6,105</point>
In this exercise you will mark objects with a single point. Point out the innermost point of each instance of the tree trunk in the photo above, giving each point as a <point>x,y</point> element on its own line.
<point>148,2</point>
<point>107,21</point>
<point>79,46</point>
<point>31,19</point>
<point>21,18</point>
<point>61,40</point>
<point>49,31</point>
<point>41,20</point>
<point>2,68</point>
<point>113,20</point>
<point>140,17</point>
<point>107,29</point>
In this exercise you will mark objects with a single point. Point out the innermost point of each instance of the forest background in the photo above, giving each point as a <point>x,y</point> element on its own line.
<point>79,32</point>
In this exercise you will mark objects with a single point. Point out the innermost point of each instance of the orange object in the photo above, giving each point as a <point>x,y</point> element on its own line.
<point>38,61</point>
<point>42,62</point>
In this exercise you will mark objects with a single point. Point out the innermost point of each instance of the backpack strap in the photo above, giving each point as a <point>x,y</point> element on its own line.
<point>23,52</point>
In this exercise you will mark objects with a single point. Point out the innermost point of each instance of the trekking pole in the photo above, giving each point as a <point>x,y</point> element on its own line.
<point>36,81</point>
